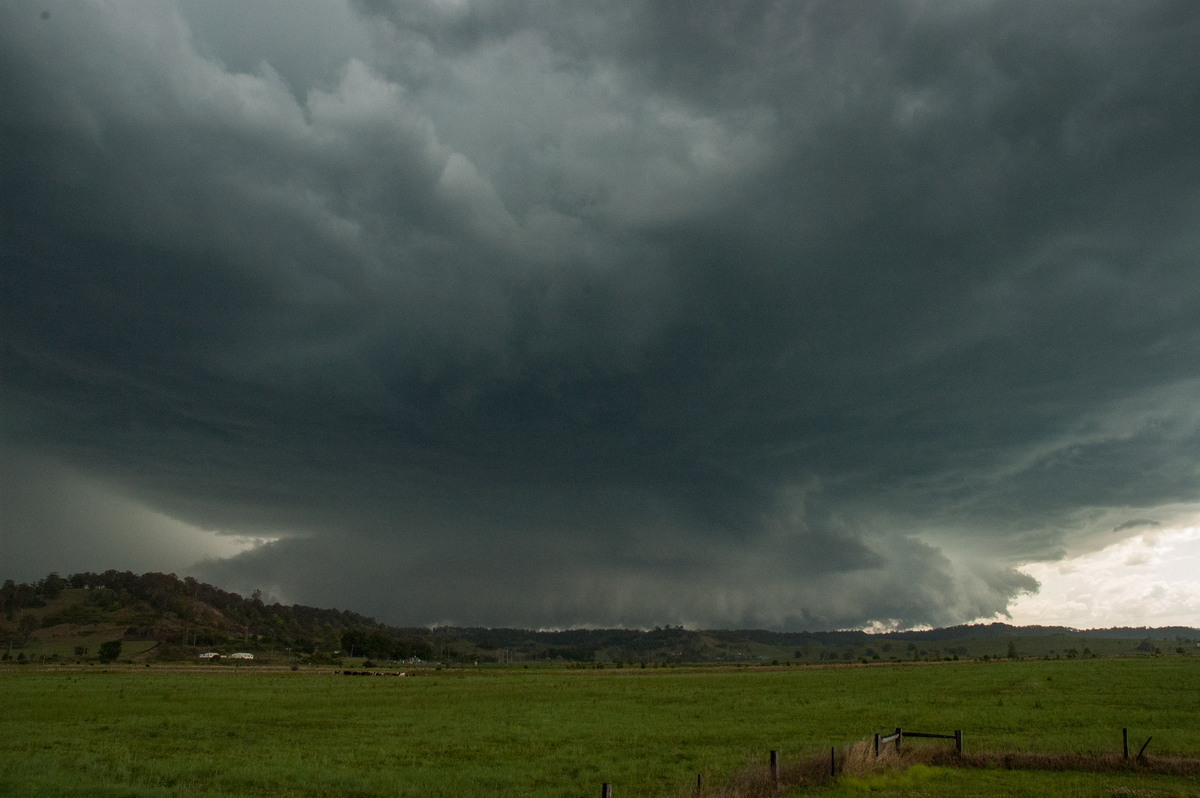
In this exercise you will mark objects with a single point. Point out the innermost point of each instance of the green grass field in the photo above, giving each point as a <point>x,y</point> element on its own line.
<point>538,732</point>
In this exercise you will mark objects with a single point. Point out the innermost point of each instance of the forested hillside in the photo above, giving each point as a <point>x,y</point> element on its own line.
<point>183,614</point>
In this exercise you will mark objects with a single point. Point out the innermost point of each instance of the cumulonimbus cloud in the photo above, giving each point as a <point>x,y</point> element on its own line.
<point>511,313</point>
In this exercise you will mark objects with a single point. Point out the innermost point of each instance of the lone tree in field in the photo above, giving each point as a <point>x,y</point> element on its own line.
<point>110,650</point>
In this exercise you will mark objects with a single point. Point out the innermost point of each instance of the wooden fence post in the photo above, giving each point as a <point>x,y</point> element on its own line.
<point>1125,742</point>
<point>606,790</point>
<point>832,763</point>
<point>877,744</point>
<point>775,767</point>
<point>899,734</point>
<point>698,783</point>
<point>958,741</point>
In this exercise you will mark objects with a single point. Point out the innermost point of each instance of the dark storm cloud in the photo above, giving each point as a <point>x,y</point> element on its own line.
<point>514,313</point>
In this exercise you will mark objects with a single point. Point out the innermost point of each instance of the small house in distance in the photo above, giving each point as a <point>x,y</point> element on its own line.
<point>210,655</point>
<point>241,655</point>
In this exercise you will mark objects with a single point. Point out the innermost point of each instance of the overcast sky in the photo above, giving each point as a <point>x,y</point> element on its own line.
<point>796,315</point>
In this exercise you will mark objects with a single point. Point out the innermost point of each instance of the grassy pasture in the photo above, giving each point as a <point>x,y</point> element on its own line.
<point>539,732</point>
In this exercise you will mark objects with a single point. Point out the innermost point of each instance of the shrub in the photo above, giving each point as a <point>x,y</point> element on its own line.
<point>110,650</point>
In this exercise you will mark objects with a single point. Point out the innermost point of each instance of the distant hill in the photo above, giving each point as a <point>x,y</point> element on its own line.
<point>177,618</point>
<point>678,645</point>
<point>159,616</point>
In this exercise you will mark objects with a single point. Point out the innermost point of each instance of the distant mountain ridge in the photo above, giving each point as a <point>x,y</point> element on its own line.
<point>167,617</point>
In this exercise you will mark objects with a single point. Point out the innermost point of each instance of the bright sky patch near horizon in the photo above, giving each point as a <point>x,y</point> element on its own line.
<point>1147,580</point>
<point>516,313</point>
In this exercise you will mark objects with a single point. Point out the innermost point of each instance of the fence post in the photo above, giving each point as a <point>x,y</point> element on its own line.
<point>698,775</point>
<point>606,790</point>
<point>876,743</point>
<point>832,763</point>
<point>775,767</point>
<point>1125,742</point>
<point>899,734</point>
<point>958,741</point>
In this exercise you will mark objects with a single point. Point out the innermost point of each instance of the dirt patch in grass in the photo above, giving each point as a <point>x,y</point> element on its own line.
<point>1085,763</point>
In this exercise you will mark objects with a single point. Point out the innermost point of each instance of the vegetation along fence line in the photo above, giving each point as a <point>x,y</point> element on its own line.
<point>606,789</point>
<point>900,734</point>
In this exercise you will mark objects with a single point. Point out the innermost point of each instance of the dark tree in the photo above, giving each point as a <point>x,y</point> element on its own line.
<point>110,650</point>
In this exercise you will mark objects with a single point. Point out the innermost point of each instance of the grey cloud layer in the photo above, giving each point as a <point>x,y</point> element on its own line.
<point>739,315</point>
